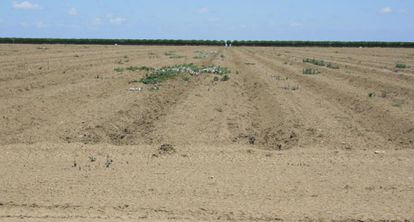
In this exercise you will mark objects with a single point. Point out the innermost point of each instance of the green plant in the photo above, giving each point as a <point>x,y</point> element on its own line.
<point>332,66</point>
<point>119,69</point>
<point>321,63</point>
<point>155,76</point>
<point>92,158</point>
<point>310,71</point>
<point>186,78</point>
<point>225,78</point>
<point>371,94</point>
<point>401,66</point>
<point>200,55</point>
<point>132,68</point>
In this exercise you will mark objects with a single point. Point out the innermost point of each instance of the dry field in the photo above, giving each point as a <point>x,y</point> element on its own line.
<point>270,144</point>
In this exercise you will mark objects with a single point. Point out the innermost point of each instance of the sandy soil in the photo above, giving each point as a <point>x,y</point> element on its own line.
<point>270,144</point>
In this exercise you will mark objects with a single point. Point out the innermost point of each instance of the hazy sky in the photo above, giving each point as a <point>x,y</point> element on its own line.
<point>384,20</point>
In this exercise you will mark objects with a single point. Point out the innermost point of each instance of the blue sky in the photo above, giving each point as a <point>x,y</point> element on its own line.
<point>350,20</point>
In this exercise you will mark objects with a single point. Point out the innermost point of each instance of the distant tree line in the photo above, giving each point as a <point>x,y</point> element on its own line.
<point>323,44</point>
<point>205,42</point>
<point>110,41</point>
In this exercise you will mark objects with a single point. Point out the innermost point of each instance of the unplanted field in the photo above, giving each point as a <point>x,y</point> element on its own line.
<point>120,133</point>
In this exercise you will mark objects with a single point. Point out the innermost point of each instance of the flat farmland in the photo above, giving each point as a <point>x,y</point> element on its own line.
<point>290,134</point>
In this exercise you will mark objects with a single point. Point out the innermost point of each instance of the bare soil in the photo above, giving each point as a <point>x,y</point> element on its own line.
<point>270,144</point>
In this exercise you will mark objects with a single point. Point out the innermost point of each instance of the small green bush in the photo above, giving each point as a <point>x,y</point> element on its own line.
<point>225,78</point>
<point>401,66</point>
<point>310,71</point>
<point>119,69</point>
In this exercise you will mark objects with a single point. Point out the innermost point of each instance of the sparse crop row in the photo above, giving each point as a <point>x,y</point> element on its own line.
<point>321,63</point>
<point>205,42</point>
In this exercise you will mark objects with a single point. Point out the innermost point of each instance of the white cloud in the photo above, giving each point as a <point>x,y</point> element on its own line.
<point>73,12</point>
<point>25,5</point>
<point>203,10</point>
<point>386,10</point>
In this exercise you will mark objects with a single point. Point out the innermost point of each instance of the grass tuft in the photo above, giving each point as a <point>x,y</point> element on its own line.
<point>310,71</point>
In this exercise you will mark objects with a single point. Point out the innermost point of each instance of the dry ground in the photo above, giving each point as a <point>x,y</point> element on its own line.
<point>270,144</point>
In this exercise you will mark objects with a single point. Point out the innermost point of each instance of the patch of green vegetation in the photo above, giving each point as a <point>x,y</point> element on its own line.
<point>173,55</point>
<point>310,71</point>
<point>139,68</point>
<point>216,70</point>
<point>186,78</point>
<point>92,158</point>
<point>200,55</point>
<point>155,76</point>
<point>401,66</point>
<point>332,66</point>
<point>321,63</point>
<point>371,94</point>
<point>225,77</point>
<point>119,69</point>
<point>132,68</point>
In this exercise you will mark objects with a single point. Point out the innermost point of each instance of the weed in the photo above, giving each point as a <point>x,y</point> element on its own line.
<point>225,78</point>
<point>293,88</point>
<point>222,56</point>
<point>186,78</point>
<point>332,66</point>
<point>215,70</point>
<point>321,63</point>
<point>283,78</point>
<point>132,68</point>
<point>310,71</point>
<point>119,69</point>
<point>401,66</point>
<point>371,94</point>
<point>92,158</point>
<point>108,162</point>
<point>314,61</point>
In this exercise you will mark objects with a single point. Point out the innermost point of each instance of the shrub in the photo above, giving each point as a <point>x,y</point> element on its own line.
<point>401,66</point>
<point>119,69</point>
<point>310,71</point>
<point>225,78</point>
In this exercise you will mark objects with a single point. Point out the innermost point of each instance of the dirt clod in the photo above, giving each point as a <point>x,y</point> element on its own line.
<point>166,149</point>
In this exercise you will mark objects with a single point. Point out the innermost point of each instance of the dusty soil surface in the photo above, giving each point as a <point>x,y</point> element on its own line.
<point>270,144</point>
